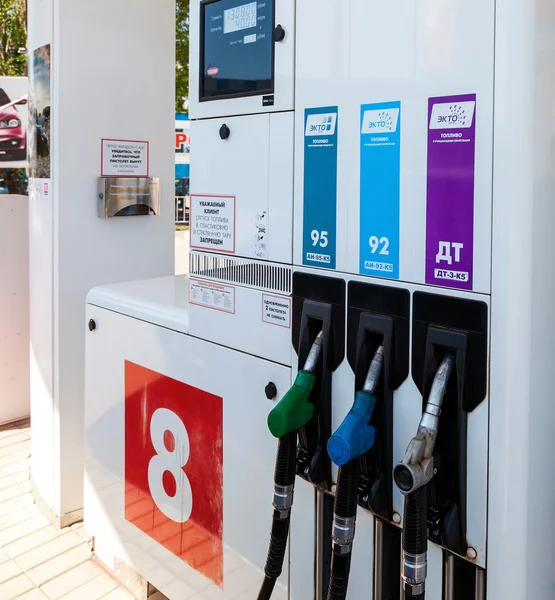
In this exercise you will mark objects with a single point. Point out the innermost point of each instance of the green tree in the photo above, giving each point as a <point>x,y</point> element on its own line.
<point>13,37</point>
<point>181,53</point>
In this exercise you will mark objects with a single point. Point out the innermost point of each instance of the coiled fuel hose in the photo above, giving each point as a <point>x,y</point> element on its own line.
<point>354,437</point>
<point>293,412</point>
<point>412,477</point>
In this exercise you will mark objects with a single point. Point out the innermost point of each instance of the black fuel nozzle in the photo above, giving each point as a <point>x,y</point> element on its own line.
<point>354,437</point>
<point>412,476</point>
<point>293,412</point>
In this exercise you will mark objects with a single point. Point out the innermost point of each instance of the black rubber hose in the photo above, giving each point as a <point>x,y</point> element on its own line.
<point>284,472</point>
<point>415,530</point>
<point>339,579</point>
<point>267,588</point>
<point>284,475</point>
<point>345,506</point>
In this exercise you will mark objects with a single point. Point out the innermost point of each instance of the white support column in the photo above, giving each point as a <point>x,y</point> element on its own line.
<point>112,76</point>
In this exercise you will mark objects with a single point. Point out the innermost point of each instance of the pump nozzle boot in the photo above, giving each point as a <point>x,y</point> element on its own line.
<point>355,436</point>
<point>295,409</point>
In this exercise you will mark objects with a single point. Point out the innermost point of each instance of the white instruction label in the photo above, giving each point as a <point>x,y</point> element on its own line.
<point>261,239</point>
<point>213,223</point>
<point>212,295</point>
<point>276,310</point>
<point>122,158</point>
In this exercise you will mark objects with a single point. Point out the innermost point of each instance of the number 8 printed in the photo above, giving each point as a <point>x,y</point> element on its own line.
<point>179,507</point>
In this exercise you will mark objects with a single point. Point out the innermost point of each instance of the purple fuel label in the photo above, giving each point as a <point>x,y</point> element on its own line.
<point>450,194</point>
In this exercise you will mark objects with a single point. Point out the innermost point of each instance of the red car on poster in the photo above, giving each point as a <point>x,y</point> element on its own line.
<point>13,136</point>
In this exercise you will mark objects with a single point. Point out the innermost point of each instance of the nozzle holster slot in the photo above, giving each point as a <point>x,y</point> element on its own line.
<point>318,305</point>
<point>444,324</point>
<point>379,315</point>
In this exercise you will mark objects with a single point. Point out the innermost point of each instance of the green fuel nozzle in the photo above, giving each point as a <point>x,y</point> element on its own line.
<point>295,409</point>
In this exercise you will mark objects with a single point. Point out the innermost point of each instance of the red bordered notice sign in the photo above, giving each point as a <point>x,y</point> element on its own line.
<point>212,295</point>
<point>213,222</point>
<point>124,158</point>
<point>276,310</point>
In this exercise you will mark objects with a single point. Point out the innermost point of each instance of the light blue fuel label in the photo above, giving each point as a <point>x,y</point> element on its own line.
<point>320,187</point>
<point>380,183</point>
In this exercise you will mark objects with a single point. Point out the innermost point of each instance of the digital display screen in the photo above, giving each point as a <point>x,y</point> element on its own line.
<point>242,17</point>
<point>237,49</point>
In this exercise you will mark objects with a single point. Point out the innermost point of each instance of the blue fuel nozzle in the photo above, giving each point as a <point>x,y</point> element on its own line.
<point>355,436</point>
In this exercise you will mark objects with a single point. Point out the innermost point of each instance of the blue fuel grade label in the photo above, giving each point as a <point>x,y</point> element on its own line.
<point>380,186</point>
<point>320,187</point>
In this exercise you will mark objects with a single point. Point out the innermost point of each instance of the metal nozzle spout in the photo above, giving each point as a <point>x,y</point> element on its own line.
<point>374,372</point>
<point>416,470</point>
<point>314,354</point>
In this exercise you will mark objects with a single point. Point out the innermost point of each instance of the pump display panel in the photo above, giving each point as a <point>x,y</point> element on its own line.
<point>237,50</point>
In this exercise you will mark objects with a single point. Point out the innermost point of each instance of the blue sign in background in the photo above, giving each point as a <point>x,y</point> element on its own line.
<point>380,182</point>
<point>320,187</point>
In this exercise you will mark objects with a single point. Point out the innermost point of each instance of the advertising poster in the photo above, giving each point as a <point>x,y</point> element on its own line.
<point>13,122</point>
<point>40,141</point>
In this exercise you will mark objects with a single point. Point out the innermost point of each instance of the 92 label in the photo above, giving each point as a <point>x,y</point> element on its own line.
<point>381,245</point>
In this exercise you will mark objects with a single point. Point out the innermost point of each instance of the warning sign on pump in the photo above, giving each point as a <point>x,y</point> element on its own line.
<point>276,310</point>
<point>212,295</point>
<point>213,223</point>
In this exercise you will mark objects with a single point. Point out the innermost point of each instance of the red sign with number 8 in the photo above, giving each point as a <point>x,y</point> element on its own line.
<point>174,467</point>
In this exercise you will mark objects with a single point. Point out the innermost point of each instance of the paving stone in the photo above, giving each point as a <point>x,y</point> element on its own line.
<point>61,564</point>
<point>119,594</point>
<point>14,490</point>
<point>21,476</point>
<point>37,561</point>
<point>19,464</point>
<point>71,580</point>
<point>48,551</point>
<point>15,438</point>
<point>32,541</point>
<point>23,529</point>
<point>9,570</point>
<point>93,590</point>
<point>14,504</point>
<point>6,481</point>
<point>14,518</point>
<point>15,458</point>
<point>16,587</point>
<point>33,595</point>
<point>82,532</point>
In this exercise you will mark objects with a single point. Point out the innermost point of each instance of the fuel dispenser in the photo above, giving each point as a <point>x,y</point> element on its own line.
<point>355,240</point>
